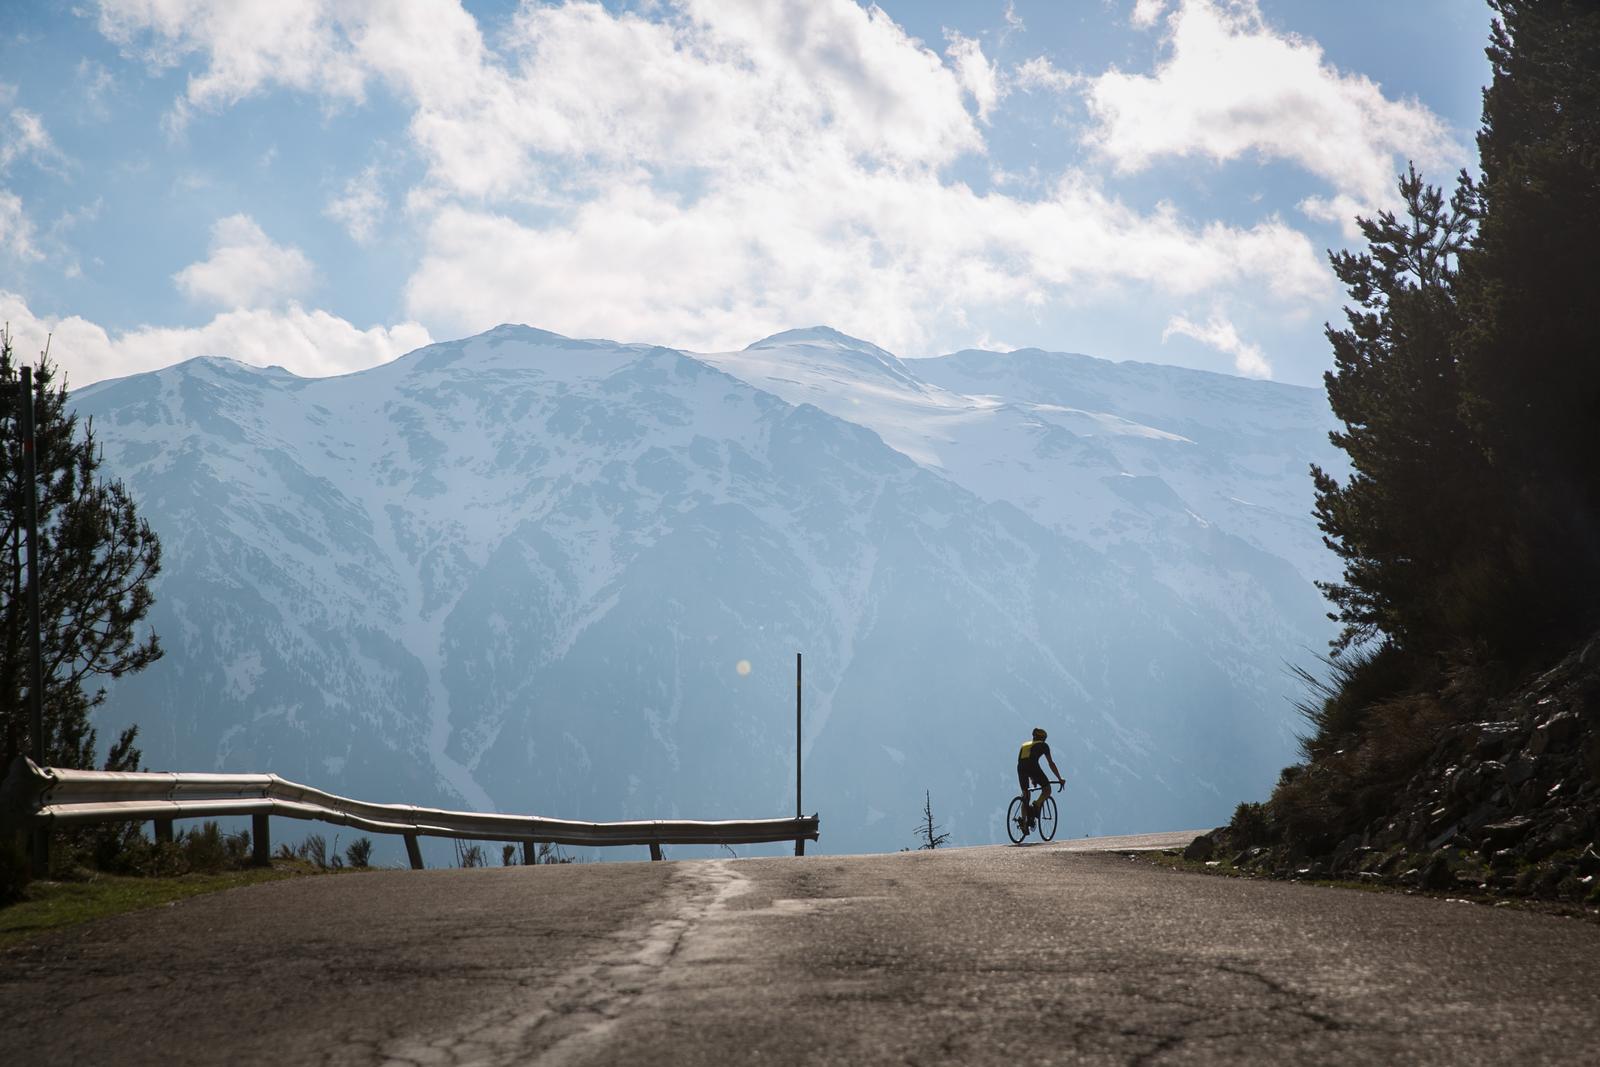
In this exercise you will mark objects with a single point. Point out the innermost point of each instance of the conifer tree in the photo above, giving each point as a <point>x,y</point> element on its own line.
<point>96,557</point>
<point>1532,346</point>
<point>1402,522</point>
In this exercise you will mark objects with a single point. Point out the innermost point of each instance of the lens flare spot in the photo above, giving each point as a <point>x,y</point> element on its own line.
<point>743,667</point>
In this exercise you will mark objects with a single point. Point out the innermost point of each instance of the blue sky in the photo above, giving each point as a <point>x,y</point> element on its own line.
<point>326,184</point>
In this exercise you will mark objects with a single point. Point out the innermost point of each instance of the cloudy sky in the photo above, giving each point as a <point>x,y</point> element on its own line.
<point>326,184</point>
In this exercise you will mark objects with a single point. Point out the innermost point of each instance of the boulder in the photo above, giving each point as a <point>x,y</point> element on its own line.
<point>1200,848</point>
<point>1494,738</point>
<point>1521,769</point>
<point>1436,874</point>
<point>1588,862</point>
<point>1554,734</point>
<point>1499,835</point>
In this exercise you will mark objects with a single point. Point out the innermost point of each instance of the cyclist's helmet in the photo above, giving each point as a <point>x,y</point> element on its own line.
<point>1039,734</point>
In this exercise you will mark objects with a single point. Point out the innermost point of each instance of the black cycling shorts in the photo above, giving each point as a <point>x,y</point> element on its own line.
<point>1027,772</point>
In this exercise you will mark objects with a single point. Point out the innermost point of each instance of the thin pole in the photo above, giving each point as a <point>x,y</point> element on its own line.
<point>799,812</point>
<point>30,511</point>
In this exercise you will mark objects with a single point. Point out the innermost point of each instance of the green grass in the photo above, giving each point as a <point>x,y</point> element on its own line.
<point>55,905</point>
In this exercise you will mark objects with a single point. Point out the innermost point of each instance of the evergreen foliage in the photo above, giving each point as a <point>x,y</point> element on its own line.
<point>96,560</point>
<point>1468,382</point>
<point>1468,377</point>
<point>1402,522</point>
<point>1528,284</point>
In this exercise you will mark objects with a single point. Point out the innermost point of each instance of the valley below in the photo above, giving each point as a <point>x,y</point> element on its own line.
<point>540,575</point>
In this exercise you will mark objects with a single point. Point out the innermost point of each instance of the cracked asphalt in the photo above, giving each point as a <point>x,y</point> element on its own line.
<point>1052,954</point>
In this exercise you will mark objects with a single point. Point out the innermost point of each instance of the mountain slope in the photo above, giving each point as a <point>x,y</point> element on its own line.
<point>569,577</point>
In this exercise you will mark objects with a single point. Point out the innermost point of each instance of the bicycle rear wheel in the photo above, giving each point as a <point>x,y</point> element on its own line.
<point>1047,819</point>
<point>1014,821</point>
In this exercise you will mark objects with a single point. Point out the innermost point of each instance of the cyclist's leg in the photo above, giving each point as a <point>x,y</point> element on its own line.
<point>1043,781</point>
<point>1023,784</point>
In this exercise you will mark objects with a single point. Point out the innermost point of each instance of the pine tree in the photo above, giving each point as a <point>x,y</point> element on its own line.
<point>1532,351</point>
<point>96,557</point>
<point>1403,521</point>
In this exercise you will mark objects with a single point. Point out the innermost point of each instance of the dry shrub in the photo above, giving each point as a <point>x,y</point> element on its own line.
<point>1337,707</point>
<point>1345,789</point>
<point>359,852</point>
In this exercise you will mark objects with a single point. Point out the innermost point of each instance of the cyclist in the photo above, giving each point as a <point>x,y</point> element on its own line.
<point>1029,772</point>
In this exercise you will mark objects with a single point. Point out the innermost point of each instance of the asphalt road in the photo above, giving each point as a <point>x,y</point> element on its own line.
<point>1048,954</point>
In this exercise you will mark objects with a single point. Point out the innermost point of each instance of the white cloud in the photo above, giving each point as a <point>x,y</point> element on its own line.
<point>708,174</point>
<point>247,44</point>
<point>94,83</point>
<point>26,138</point>
<point>900,258</point>
<point>245,268</point>
<point>1040,73</point>
<point>360,207</point>
<point>1146,12</point>
<point>1231,86</point>
<point>710,84</point>
<point>17,234</point>
<point>308,343</point>
<point>1013,20</point>
<point>1220,334</point>
<point>976,74</point>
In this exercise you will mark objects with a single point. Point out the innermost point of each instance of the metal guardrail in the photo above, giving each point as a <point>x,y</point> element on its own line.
<point>55,794</point>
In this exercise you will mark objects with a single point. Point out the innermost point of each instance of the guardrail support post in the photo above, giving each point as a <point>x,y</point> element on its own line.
<point>413,852</point>
<point>655,850</point>
<point>799,842</point>
<point>530,854</point>
<point>260,841</point>
<point>164,830</point>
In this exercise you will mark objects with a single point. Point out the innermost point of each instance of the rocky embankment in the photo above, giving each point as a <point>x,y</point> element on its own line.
<point>1508,803</point>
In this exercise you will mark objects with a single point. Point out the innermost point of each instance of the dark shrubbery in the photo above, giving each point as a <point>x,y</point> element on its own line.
<point>121,848</point>
<point>1338,705</point>
<point>13,869</point>
<point>1469,522</point>
<point>359,852</point>
<point>315,851</point>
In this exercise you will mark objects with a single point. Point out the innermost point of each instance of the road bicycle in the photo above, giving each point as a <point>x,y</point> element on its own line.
<point>1045,824</point>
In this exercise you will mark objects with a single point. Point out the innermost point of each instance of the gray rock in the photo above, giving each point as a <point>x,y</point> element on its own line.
<point>1555,734</point>
<point>1495,737</point>
<point>1201,848</point>
<point>1500,835</point>
<point>1521,769</point>
<point>1436,875</point>
<point>1564,834</point>
<point>1588,862</point>
<point>1445,836</point>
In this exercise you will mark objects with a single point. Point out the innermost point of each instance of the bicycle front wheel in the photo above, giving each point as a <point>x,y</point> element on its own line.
<point>1047,819</point>
<point>1014,821</point>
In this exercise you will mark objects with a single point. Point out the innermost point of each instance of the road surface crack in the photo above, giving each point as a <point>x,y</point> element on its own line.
<point>567,1018</point>
<point>1200,1019</point>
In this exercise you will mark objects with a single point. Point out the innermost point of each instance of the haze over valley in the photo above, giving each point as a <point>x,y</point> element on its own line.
<point>569,577</point>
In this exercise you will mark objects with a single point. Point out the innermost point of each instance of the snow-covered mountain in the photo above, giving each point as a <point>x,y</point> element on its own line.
<point>538,574</point>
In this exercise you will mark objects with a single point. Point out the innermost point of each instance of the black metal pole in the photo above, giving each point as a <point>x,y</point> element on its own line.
<point>30,511</point>
<point>799,812</point>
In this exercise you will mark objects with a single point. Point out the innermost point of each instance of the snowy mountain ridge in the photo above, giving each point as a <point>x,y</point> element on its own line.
<point>527,572</point>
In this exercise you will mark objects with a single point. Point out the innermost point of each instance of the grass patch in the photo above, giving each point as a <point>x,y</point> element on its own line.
<point>56,905</point>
